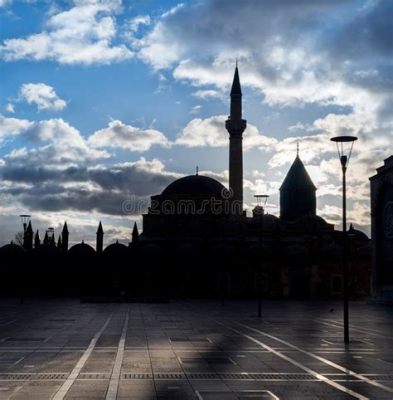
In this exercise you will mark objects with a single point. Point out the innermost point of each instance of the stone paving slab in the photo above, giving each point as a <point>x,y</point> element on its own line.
<point>62,349</point>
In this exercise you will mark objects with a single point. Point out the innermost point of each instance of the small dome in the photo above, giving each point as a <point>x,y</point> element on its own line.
<point>11,248</point>
<point>356,234</point>
<point>48,248</point>
<point>82,249</point>
<point>270,220</point>
<point>308,221</point>
<point>195,186</point>
<point>116,248</point>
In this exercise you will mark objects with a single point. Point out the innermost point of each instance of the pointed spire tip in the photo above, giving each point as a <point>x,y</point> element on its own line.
<point>236,88</point>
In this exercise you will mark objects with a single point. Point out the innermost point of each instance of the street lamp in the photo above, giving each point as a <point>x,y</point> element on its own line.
<point>344,149</point>
<point>261,204</point>
<point>50,232</point>
<point>25,218</point>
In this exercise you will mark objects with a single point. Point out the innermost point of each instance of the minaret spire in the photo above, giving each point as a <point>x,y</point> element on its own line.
<point>64,237</point>
<point>37,240</point>
<point>135,233</point>
<point>99,239</point>
<point>235,126</point>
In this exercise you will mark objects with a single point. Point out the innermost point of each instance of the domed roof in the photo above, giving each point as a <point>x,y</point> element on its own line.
<point>82,249</point>
<point>270,220</point>
<point>46,248</point>
<point>195,186</point>
<point>310,220</point>
<point>11,248</point>
<point>357,234</point>
<point>116,248</point>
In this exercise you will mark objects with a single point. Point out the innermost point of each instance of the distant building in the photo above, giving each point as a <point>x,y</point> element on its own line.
<point>382,231</point>
<point>198,241</point>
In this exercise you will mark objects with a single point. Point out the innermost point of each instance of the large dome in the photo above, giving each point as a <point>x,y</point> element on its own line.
<point>195,186</point>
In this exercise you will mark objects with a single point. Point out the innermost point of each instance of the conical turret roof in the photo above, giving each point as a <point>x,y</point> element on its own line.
<point>297,177</point>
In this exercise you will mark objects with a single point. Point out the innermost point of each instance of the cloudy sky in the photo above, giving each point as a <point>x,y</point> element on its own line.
<point>104,102</point>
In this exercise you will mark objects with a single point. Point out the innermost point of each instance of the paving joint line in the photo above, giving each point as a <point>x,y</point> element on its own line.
<point>321,359</point>
<point>115,376</point>
<point>62,392</point>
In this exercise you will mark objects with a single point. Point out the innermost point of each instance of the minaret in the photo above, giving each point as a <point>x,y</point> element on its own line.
<point>28,238</point>
<point>100,239</point>
<point>64,237</point>
<point>37,240</point>
<point>235,126</point>
<point>135,233</point>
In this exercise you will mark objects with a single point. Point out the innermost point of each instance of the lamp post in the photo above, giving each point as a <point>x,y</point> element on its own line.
<point>344,149</point>
<point>261,204</point>
<point>25,219</point>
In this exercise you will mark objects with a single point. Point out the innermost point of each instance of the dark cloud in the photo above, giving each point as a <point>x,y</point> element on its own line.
<point>104,202</point>
<point>103,189</point>
<point>369,33</point>
<point>233,23</point>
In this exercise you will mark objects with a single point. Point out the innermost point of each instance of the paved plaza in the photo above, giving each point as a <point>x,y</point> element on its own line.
<point>63,349</point>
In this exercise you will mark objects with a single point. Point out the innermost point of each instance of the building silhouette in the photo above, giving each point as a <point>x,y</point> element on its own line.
<point>198,241</point>
<point>297,193</point>
<point>382,231</point>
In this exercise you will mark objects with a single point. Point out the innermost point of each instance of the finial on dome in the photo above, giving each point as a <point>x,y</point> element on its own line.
<point>297,148</point>
<point>196,170</point>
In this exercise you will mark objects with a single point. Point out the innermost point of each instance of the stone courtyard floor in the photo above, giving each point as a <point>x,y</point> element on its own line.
<point>63,349</point>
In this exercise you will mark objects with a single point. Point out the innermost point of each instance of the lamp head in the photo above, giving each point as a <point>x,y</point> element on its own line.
<point>344,148</point>
<point>25,218</point>
<point>261,199</point>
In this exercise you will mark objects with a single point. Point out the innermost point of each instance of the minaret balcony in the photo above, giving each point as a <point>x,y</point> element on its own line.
<point>235,127</point>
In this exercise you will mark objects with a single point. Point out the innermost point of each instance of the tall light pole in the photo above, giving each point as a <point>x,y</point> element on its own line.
<point>344,149</point>
<point>261,204</point>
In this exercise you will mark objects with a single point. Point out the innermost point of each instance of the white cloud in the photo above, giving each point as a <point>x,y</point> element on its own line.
<point>118,134</point>
<point>206,94</point>
<point>9,107</point>
<point>42,95</point>
<point>81,35</point>
<point>62,145</point>
<point>196,109</point>
<point>211,132</point>
<point>137,21</point>
<point>12,126</point>
<point>160,53</point>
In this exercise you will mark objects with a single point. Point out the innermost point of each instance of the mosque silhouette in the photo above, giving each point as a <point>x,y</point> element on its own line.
<point>197,241</point>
